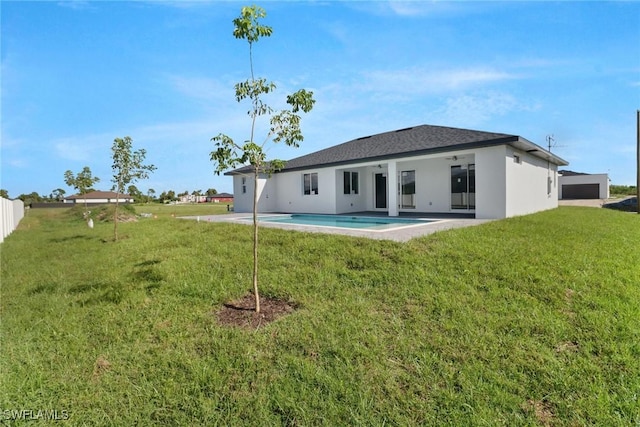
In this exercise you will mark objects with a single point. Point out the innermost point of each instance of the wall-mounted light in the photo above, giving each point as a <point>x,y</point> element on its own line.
<point>379,166</point>
<point>454,158</point>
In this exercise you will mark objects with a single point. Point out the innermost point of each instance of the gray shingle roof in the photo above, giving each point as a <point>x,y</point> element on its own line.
<point>417,140</point>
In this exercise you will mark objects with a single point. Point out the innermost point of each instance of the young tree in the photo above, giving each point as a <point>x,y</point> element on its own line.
<point>127,168</point>
<point>58,194</point>
<point>150,193</point>
<point>284,125</point>
<point>83,182</point>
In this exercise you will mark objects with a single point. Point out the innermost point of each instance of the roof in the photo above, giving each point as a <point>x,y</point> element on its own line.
<point>412,141</point>
<point>99,195</point>
<point>221,196</point>
<point>571,173</point>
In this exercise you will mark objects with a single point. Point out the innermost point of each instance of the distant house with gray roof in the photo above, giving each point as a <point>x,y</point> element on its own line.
<point>420,169</point>
<point>99,197</point>
<point>579,185</point>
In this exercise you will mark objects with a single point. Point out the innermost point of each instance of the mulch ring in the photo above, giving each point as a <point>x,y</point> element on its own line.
<point>241,313</point>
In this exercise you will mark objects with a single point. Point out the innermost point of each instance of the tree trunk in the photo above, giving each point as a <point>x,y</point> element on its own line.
<point>255,239</point>
<point>115,218</point>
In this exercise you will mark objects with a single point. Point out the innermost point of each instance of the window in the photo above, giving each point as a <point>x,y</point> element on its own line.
<point>244,185</point>
<point>310,183</point>
<point>408,189</point>
<point>351,183</point>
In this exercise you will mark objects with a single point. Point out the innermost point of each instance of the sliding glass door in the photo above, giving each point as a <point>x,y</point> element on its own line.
<point>408,189</point>
<point>463,187</point>
<point>381,190</point>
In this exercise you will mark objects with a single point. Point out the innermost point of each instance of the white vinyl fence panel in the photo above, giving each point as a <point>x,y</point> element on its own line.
<point>11,212</point>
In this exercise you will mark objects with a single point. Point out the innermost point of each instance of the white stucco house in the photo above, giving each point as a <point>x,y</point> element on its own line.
<point>99,197</point>
<point>421,169</point>
<point>578,185</point>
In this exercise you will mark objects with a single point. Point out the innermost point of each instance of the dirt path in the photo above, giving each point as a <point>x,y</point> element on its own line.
<point>594,203</point>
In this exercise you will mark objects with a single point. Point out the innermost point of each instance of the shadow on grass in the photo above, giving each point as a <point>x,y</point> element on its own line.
<point>146,272</point>
<point>106,293</point>
<point>71,238</point>
<point>45,288</point>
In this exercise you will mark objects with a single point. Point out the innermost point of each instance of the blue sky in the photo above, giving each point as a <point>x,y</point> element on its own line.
<point>76,75</point>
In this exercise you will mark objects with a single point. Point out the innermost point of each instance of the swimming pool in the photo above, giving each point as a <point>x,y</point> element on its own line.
<point>344,221</point>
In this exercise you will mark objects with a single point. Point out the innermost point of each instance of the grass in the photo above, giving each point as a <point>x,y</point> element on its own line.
<point>533,320</point>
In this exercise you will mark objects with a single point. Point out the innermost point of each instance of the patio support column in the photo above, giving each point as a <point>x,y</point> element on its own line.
<point>392,174</point>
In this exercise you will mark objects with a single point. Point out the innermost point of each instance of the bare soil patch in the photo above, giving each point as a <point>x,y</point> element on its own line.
<point>101,366</point>
<point>567,347</point>
<point>241,313</point>
<point>542,410</point>
<point>594,203</point>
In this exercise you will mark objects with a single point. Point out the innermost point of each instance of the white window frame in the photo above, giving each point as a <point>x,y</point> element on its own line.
<point>308,187</point>
<point>349,178</point>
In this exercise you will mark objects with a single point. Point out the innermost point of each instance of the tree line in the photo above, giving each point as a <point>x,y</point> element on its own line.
<point>150,196</point>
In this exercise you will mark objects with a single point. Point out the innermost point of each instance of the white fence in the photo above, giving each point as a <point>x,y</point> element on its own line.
<point>11,212</point>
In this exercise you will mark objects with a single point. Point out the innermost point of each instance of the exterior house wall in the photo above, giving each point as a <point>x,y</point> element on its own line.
<point>432,184</point>
<point>491,183</point>
<point>531,183</point>
<point>267,194</point>
<point>243,193</point>
<point>101,201</point>
<point>352,202</point>
<point>598,178</point>
<point>292,199</point>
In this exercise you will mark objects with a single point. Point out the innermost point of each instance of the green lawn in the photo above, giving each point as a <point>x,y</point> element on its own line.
<point>533,320</point>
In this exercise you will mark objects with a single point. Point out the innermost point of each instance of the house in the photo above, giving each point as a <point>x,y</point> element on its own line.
<point>220,198</point>
<point>421,169</point>
<point>192,198</point>
<point>215,198</point>
<point>578,185</point>
<point>101,197</point>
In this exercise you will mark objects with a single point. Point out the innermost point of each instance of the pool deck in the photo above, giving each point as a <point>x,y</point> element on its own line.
<point>400,234</point>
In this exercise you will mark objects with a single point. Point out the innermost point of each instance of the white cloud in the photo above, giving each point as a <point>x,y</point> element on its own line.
<point>201,87</point>
<point>472,110</point>
<point>17,163</point>
<point>421,80</point>
<point>418,8</point>
<point>75,4</point>
<point>80,148</point>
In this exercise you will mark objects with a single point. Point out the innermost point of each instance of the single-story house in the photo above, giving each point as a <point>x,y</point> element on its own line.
<point>192,198</point>
<point>101,197</point>
<point>220,198</point>
<point>215,198</point>
<point>421,169</point>
<point>578,185</point>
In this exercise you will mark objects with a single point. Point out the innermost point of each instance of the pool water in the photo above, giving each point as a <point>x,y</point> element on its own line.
<point>344,221</point>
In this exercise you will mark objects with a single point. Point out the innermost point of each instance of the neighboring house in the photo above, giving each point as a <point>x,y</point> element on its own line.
<point>99,197</point>
<point>425,169</point>
<point>577,185</point>
<point>191,198</point>
<point>220,198</point>
<point>216,198</point>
